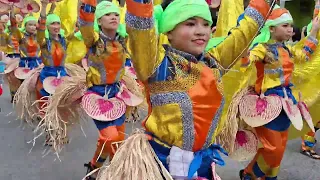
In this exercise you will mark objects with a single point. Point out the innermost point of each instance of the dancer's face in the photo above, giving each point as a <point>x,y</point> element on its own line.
<point>191,36</point>
<point>31,27</point>
<point>282,32</point>
<point>19,18</point>
<point>109,22</point>
<point>54,28</point>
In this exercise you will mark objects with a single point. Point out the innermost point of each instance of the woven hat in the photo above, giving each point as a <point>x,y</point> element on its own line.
<point>128,97</point>
<point>11,67</point>
<point>17,3</point>
<point>245,147</point>
<point>22,72</point>
<point>30,7</point>
<point>51,83</point>
<point>11,64</point>
<point>257,111</point>
<point>101,108</point>
<point>33,81</point>
<point>4,8</point>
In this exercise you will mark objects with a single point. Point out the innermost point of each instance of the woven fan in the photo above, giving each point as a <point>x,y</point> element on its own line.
<point>30,7</point>
<point>17,3</point>
<point>245,146</point>
<point>101,108</point>
<point>257,111</point>
<point>51,83</point>
<point>292,111</point>
<point>305,112</point>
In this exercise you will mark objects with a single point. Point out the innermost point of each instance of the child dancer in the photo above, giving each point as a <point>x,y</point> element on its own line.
<point>270,107</point>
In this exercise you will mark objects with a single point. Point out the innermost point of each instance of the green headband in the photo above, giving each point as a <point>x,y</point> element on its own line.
<point>52,18</point>
<point>28,19</point>
<point>182,10</point>
<point>265,34</point>
<point>25,21</point>
<point>106,7</point>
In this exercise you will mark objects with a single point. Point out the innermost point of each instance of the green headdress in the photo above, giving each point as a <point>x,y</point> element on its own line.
<point>181,10</point>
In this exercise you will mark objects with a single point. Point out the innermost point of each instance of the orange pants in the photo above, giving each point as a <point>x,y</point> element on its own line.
<point>266,163</point>
<point>105,147</point>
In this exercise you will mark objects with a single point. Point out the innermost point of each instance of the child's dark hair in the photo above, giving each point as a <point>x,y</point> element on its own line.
<point>305,32</point>
<point>297,34</point>
<point>213,12</point>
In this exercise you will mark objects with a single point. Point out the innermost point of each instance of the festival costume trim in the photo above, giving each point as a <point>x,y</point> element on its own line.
<point>270,107</point>
<point>181,89</point>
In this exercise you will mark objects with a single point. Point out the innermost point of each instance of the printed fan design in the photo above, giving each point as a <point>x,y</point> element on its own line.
<point>25,6</point>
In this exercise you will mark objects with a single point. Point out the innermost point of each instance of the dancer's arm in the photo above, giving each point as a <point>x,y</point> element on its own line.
<point>303,54</point>
<point>14,28</point>
<point>86,21</point>
<point>258,53</point>
<point>41,35</point>
<point>143,41</point>
<point>240,37</point>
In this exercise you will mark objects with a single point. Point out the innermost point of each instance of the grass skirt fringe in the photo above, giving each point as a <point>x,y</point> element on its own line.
<point>63,108</point>
<point>135,159</point>
<point>25,96</point>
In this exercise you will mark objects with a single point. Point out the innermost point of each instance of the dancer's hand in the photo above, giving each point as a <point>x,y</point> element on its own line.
<point>315,27</point>
<point>44,3</point>
<point>52,8</point>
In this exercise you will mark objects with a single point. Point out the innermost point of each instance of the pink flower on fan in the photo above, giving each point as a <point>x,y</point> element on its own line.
<point>26,70</point>
<point>29,7</point>
<point>261,105</point>
<point>104,106</point>
<point>241,138</point>
<point>131,69</point>
<point>56,82</point>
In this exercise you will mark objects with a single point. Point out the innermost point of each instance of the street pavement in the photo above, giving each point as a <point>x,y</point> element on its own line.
<point>19,163</point>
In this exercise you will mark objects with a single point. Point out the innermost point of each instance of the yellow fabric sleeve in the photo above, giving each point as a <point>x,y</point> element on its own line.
<point>229,50</point>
